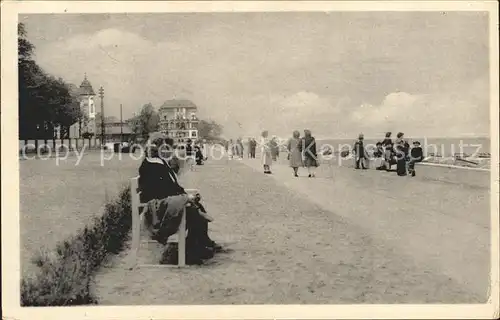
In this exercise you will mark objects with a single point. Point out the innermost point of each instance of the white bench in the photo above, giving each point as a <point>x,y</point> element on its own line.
<point>137,223</point>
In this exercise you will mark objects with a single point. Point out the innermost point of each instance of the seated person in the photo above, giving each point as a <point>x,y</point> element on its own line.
<point>379,150</point>
<point>379,154</point>
<point>158,181</point>
<point>416,155</point>
<point>389,157</point>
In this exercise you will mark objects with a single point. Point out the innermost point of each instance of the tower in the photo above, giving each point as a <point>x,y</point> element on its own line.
<point>87,105</point>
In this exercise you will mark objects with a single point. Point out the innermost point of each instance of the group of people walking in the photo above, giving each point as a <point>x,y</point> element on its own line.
<point>301,152</point>
<point>390,153</point>
<point>236,149</point>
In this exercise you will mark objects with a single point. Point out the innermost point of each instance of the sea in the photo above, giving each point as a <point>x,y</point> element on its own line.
<point>440,147</point>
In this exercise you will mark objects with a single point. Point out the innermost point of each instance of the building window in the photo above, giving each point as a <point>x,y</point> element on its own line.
<point>193,134</point>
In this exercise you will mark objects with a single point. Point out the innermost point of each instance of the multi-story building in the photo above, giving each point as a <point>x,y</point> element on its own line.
<point>178,120</point>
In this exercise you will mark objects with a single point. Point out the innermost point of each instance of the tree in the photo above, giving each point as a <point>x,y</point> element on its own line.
<point>209,130</point>
<point>44,101</point>
<point>146,122</point>
<point>25,47</point>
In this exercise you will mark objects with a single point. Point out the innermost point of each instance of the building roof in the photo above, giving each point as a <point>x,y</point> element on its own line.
<point>178,103</point>
<point>86,87</point>
<point>114,128</point>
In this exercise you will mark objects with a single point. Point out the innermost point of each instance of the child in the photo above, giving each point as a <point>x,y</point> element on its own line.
<point>416,155</point>
<point>379,154</point>
<point>201,208</point>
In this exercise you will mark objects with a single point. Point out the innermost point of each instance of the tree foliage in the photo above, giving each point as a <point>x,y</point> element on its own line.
<point>209,130</point>
<point>44,101</point>
<point>146,122</point>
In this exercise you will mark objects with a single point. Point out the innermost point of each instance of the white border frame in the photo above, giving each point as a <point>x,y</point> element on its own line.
<point>10,169</point>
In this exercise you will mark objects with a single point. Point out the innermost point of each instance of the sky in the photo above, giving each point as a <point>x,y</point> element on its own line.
<point>336,73</point>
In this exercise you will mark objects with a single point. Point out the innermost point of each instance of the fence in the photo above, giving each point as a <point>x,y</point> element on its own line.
<point>55,144</point>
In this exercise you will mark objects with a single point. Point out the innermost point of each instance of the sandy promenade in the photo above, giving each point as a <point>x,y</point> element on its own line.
<point>361,237</point>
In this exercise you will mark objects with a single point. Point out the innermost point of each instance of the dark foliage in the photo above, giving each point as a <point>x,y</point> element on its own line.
<point>44,101</point>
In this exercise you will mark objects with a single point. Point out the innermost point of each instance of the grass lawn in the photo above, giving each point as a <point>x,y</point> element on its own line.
<point>57,200</point>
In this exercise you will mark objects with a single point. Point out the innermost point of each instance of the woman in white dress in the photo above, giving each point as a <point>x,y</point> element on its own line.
<point>266,155</point>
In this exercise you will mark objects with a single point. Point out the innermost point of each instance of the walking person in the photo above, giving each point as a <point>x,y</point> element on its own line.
<point>254,147</point>
<point>239,145</point>
<point>230,149</point>
<point>274,147</point>
<point>294,154</point>
<point>249,145</point>
<point>190,154</point>
<point>359,152</point>
<point>309,155</point>
<point>266,156</point>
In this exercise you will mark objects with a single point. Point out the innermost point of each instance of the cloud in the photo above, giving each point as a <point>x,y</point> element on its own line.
<point>445,114</point>
<point>334,74</point>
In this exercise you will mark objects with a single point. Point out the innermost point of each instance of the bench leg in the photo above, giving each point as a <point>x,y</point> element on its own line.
<point>182,241</point>
<point>136,223</point>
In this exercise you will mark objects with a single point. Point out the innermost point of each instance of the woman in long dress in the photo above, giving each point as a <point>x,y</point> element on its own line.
<point>308,148</point>
<point>294,154</point>
<point>401,147</point>
<point>266,155</point>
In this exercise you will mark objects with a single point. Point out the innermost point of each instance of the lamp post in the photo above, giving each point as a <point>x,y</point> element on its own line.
<point>121,123</point>
<point>103,135</point>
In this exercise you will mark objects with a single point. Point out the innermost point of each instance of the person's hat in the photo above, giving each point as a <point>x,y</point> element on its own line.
<point>416,142</point>
<point>361,136</point>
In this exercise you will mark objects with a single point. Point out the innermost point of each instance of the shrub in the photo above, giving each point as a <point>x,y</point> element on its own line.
<point>65,276</point>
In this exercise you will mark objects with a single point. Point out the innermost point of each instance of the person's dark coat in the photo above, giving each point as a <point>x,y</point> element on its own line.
<point>416,154</point>
<point>157,181</point>
<point>359,149</point>
<point>308,149</point>
<point>387,142</point>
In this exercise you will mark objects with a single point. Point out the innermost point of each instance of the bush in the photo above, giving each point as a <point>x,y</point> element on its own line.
<point>65,276</point>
